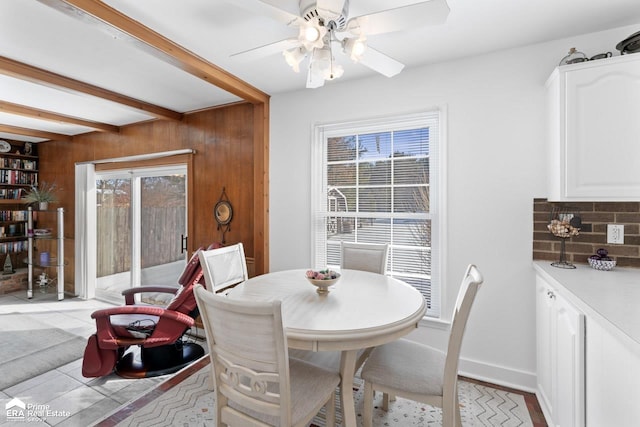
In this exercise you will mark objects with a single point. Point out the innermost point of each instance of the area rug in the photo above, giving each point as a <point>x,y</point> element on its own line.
<point>189,403</point>
<point>31,347</point>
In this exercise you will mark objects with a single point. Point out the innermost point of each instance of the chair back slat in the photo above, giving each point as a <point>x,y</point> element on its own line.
<point>246,340</point>
<point>246,386</point>
<point>249,353</point>
<point>364,256</point>
<point>224,267</point>
<point>466,295</point>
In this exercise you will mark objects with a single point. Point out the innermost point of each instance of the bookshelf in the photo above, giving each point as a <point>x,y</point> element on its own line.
<point>18,172</point>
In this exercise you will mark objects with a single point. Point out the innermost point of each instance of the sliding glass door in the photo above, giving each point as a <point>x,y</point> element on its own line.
<point>141,227</point>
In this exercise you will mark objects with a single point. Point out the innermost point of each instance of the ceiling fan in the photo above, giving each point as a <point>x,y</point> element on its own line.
<point>324,27</point>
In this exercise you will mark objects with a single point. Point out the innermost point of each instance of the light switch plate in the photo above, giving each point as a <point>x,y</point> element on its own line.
<point>615,234</point>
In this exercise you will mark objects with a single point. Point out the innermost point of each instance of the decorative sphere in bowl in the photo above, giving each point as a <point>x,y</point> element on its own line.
<point>322,279</point>
<point>602,264</point>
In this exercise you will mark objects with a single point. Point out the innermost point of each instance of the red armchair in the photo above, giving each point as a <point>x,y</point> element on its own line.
<point>157,331</point>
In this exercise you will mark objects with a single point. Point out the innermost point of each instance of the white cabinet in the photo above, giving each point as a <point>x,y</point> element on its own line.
<point>545,333</point>
<point>613,379</point>
<point>560,357</point>
<point>610,359</point>
<point>594,130</point>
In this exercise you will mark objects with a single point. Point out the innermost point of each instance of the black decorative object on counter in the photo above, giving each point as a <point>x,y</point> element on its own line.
<point>564,223</point>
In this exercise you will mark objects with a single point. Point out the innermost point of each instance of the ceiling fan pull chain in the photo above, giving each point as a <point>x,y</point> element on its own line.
<point>330,53</point>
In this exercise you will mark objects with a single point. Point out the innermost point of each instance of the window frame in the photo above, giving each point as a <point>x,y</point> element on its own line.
<point>435,120</point>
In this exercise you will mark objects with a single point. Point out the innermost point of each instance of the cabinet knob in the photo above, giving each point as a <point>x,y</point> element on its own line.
<point>551,295</point>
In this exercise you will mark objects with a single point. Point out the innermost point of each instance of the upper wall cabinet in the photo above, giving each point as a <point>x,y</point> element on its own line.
<point>594,130</point>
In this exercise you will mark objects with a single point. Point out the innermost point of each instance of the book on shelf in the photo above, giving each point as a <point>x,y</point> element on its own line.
<point>18,177</point>
<point>18,163</point>
<point>10,215</point>
<point>12,193</point>
<point>13,247</point>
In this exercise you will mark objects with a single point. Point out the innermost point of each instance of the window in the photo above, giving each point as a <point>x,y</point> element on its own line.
<point>377,182</point>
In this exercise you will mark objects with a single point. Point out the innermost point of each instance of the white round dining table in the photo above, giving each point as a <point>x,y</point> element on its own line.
<point>361,310</point>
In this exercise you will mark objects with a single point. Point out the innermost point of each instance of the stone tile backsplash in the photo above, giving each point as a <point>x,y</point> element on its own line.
<point>593,233</point>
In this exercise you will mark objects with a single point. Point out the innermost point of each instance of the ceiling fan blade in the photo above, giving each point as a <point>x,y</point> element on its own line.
<point>266,50</point>
<point>266,9</point>
<point>330,9</point>
<point>432,12</point>
<point>314,80</point>
<point>380,62</point>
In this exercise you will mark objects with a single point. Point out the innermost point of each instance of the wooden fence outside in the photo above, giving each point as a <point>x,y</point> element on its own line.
<point>161,231</point>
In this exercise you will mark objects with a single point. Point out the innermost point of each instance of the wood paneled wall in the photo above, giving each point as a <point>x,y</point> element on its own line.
<point>225,142</point>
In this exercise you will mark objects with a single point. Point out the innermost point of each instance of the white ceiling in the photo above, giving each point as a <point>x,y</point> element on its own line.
<point>35,33</point>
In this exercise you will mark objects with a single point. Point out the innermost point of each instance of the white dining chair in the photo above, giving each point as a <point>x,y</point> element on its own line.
<point>415,371</point>
<point>364,256</point>
<point>256,384</point>
<point>224,267</point>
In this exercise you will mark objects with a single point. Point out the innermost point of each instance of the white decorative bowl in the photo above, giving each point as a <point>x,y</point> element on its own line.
<point>323,285</point>
<point>599,264</point>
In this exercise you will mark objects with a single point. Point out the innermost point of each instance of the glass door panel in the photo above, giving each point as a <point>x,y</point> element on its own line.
<point>113,210</point>
<point>163,225</point>
<point>141,223</point>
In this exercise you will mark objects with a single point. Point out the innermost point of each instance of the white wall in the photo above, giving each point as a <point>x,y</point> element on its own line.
<point>496,166</point>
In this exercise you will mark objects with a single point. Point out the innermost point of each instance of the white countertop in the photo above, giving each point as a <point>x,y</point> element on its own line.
<point>612,298</point>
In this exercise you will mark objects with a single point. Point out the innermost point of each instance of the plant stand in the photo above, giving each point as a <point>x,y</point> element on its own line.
<point>56,262</point>
<point>563,263</point>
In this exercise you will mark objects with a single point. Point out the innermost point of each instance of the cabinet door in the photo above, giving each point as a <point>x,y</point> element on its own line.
<point>560,358</point>
<point>569,365</point>
<point>613,379</point>
<point>602,153</point>
<point>545,338</point>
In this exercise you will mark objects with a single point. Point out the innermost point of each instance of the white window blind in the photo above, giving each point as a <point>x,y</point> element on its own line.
<point>377,182</point>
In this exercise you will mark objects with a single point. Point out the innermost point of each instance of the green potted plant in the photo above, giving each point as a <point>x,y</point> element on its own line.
<point>42,194</point>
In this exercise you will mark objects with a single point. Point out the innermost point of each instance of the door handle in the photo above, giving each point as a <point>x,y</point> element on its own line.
<point>183,243</point>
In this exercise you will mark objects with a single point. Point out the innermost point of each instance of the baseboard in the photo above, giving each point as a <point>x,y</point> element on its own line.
<point>435,333</point>
<point>544,408</point>
<point>500,375</point>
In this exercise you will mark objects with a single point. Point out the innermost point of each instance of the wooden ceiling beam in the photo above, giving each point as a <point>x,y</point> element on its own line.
<point>22,71</point>
<point>34,132</point>
<point>99,13</point>
<point>36,113</point>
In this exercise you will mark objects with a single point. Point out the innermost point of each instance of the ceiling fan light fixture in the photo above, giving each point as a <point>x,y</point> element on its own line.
<point>324,65</point>
<point>333,71</point>
<point>324,26</point>
<point>312,34</point>
<point>355,48</point>
<point>294,57</point>
<point>322,56</point>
